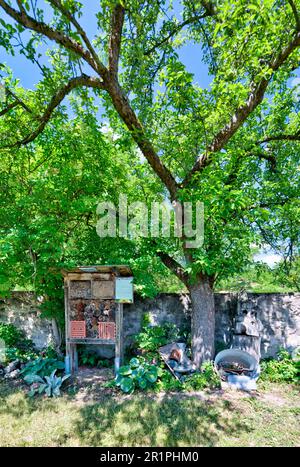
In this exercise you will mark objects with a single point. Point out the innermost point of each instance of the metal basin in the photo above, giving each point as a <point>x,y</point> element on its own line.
<point>236,356</point>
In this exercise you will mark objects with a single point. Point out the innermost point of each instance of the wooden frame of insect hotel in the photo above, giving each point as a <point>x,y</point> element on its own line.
<point>94,297</point>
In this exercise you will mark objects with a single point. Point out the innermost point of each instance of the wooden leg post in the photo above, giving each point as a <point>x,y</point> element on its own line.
<point>73,358</point>
<point>119,338</point>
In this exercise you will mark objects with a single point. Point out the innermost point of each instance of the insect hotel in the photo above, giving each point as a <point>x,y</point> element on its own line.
<point>94,297</point>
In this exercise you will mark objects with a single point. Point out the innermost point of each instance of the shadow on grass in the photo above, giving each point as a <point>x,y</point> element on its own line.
<point>14,400</point>
<point>136,420</point>
<point>170,421</point>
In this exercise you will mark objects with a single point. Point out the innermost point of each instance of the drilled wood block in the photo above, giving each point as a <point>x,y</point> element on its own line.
<point>107,330</point>
<point>80,289</point>
<point>103,289</point>
<point>77,329</point>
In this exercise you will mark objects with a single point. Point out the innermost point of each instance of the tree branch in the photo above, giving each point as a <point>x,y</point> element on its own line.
<point>125,111</point>
<point>59,37</point>
<point>79,29</point>
<point>295,13</point>
<point>122,106</point>
<point>269,158</point>
<point>21,6</point>
<point>175,31</point>
<point>209,7</point>
<point>79,81</point>
<point>172,264</point>
<point>8,108</point>
<point>22,104</point>
<point>117,21</point>
<point>280,137</point>
<point>255,97</point>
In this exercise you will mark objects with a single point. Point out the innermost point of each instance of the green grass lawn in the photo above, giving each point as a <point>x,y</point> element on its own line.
<point>271,418</point>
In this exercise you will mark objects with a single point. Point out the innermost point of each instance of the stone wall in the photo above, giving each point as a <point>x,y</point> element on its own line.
<point>22,311</point>
<point>279,314</point>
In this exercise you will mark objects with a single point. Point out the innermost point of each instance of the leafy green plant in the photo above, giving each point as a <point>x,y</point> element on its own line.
<point>42,367</point>
<point>104,363</point>
<point>138,374</point>
<point>14,337</point>
<point>49,352</point>
<point>10,334</point>
<point>206,378</point>
<point>281,369</point>
<point>50,385</point>
<point>13,353</point>
<point>167,383</point>
<point>152,337</point>
<point>17,346</point>
<point>149,340</point>
<point>89,358</point>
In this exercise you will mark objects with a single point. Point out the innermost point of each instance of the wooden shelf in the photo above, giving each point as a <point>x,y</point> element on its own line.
<point>91,340</point>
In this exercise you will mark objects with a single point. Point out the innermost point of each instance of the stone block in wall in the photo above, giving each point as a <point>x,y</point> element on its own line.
<point>225,311</point>
<point>280,317</point>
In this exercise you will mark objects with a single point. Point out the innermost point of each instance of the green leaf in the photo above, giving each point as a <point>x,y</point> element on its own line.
<point>125,370</point>
<point>29,379</point>
<point>127,385</point>
<point>42,388</point>
<point>151,376</point>
<point>143,383</point>
<point>32,393</point>
<point>134,363</point>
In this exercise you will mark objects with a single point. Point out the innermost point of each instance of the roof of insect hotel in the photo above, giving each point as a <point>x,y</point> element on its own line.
<point>118,270</point>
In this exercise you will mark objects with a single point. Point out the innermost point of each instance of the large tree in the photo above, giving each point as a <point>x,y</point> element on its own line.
<point>232,145</point>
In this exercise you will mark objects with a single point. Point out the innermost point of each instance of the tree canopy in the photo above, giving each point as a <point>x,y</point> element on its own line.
<point>233,145</point>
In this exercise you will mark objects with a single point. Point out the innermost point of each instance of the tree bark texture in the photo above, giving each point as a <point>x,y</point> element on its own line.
<point>202,321</point>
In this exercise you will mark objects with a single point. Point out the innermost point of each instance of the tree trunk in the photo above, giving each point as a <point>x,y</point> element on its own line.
<point>202,321</point>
